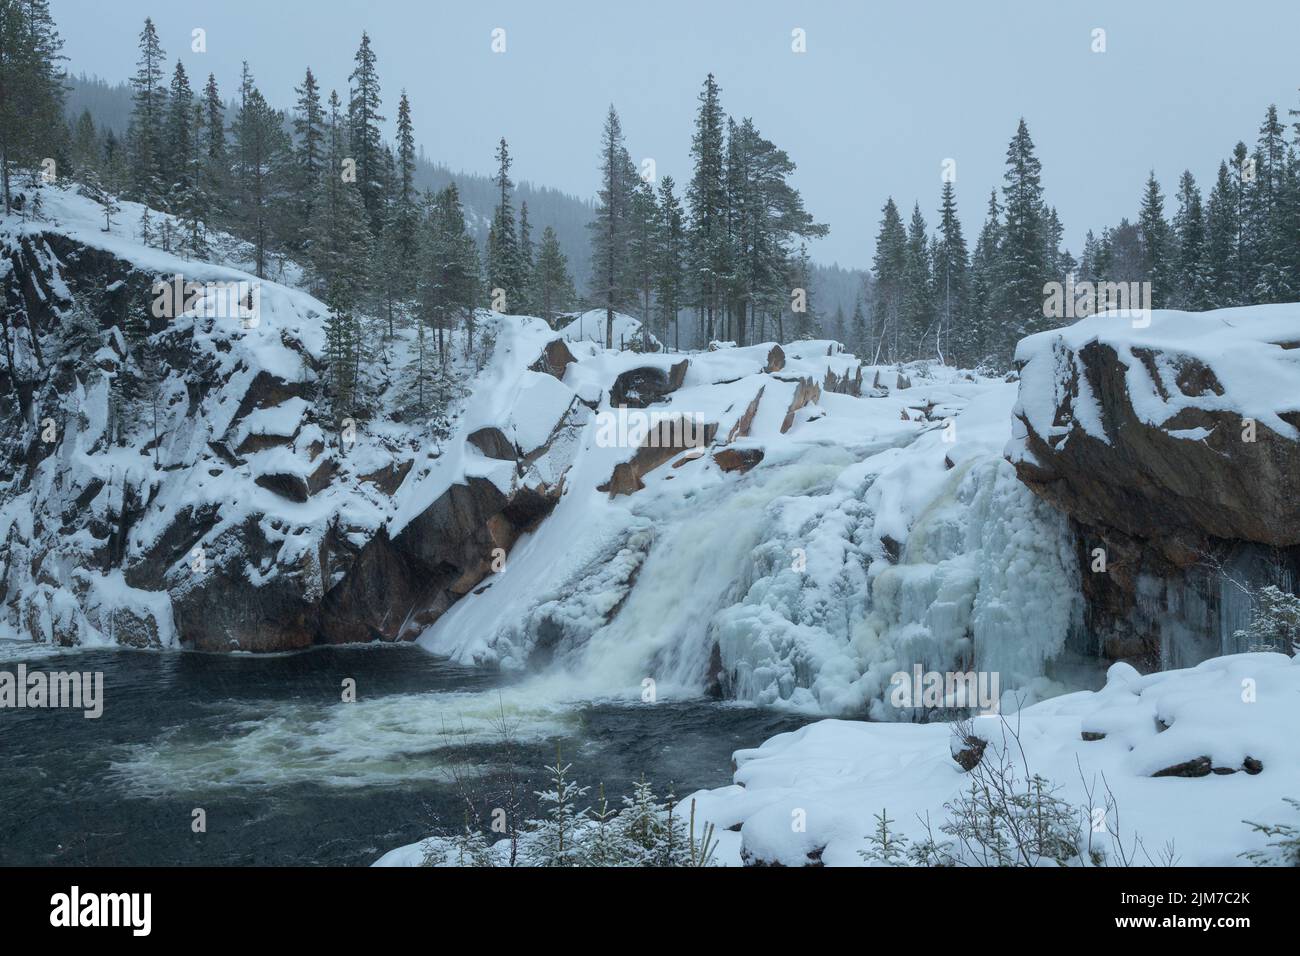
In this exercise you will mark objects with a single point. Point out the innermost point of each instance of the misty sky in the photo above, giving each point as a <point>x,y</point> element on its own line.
<point>884,93</point>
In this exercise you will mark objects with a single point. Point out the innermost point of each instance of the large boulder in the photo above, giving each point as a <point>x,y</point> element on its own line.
<point>643,386</point>
<point>1173,446</point>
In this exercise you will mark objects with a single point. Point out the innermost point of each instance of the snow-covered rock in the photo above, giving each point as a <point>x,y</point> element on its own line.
<point>1173,444</point>
<point>1190,758</point>
<point>224,507</point>
<point>824,542</point>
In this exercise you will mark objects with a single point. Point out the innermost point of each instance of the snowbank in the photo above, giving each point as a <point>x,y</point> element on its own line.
<point>1222,734</point>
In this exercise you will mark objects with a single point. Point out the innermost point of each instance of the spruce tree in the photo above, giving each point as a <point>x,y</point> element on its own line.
<point>983,328</point>
<point>916,309</point>
<point>213,153</point>
<point>859,340</point>
<point>889,268</point>
<point>86,145</point>
<point>147,120</point>
<point>449,276</point>
<point>527,255</point>
<point>1244,174</point>
<point>365,141</point>
<point>308,159</point>
<point>340,238</point>
<point>1272,216</point>
<point>1153,233</point>
<point>31,88</point>
<point>951,281</point>
<point>261,149</point>
<point>406,204</point>
<point>504,265</point>
<point>642,246</point>
<point>1190,281</point>
<point>707,198</point>
<point>552,287</point>
<point>1024,267</point>
<point>807,324</point>
<point>670,260</point>
<point>612,282</point>
<point>178,142</point>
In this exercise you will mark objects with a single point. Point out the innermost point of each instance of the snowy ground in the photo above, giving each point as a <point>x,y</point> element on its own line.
<point>840,774</point>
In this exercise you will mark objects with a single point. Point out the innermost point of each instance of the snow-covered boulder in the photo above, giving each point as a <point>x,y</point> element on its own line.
<point>1174,445</point>
<point>1181,761</point>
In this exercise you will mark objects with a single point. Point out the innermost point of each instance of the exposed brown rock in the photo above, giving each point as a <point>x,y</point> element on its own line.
<point>807,392</point>
<point>970,753</point>
<point>666,439</point>
<point>293,487</point>
<point>493,443</point>
<point>844,384</point>
<point>642,387</point>
<point>775,359</point>
<point>555,358</point>
<point>746,421</point>
<point>389,478</point>
<point>738,459</point>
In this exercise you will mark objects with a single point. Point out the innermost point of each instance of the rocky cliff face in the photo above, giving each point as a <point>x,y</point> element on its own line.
<point>1174,447</point>
<point>177,480</point>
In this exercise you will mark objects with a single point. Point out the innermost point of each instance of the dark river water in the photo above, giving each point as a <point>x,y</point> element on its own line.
<point>286,772</point>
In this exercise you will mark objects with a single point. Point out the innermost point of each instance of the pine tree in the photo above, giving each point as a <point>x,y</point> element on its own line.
<point>308,160</point>
<point>342,349</point>
<point>670,259</point>
<point>1190,281</point>
<point>552,288</point>
<point>449,275</point>
<point>1153,233</point>
<point>261,150</point>
<point>527,305</point>
<point>213,154</point>
<point>889,268</point>
<point>1023,260</point>
<point>340,237</point>
<point>30,66</point>
<point>366,144</point>
<point>642,245</point>
<point>707,199</point>
<point>31,88</point>
<point>985,274</point>
<point>916,310</point>
<point>612,281</point>
<point>1272,215</point>
<point>504,266</point>
<point>807,324</point>
<point>951,281</point>
<point>557,843</point>
<point>765,216</point>
<point>406,206</point>
<point>147,120</point>
<point>1244,174</point>
<point>177,145</point>
<point>859,341</point>
<point>86,145</point>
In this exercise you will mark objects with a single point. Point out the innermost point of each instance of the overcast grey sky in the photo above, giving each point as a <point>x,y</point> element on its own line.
<point>884,93</point>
